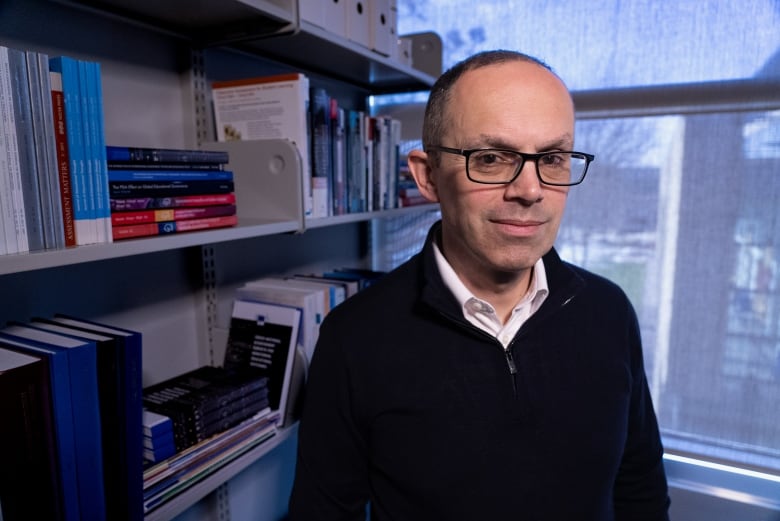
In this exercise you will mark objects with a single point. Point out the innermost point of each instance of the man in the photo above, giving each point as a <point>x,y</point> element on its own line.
<point>484,379</point>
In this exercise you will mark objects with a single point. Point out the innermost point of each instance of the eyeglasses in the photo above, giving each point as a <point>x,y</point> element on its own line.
<point>496,166</point>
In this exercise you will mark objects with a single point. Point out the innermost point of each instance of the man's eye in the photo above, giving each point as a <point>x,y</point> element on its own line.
<point>488,158</point>
<point>554,160</point>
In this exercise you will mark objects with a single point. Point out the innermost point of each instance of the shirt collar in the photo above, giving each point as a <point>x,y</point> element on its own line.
<point>536,294</point>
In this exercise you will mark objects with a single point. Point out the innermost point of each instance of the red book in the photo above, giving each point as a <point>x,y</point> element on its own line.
<point>170,214</point>
<point>63,157</point>
<point>148,229</point>
<point>149,203</point>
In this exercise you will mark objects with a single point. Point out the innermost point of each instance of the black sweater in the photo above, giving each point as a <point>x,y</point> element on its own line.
<point>414,410</point>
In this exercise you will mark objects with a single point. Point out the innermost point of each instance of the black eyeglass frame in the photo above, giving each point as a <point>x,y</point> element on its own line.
<point>526,157</point>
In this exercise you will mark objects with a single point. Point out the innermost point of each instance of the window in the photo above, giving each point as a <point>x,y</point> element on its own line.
<point>681,205</point>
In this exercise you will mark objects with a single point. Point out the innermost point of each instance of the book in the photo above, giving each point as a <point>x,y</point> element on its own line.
<point>62,156</point>
<point>62,416</point>
<point>14,220</point>
<point>97,127</point>
<point>82,363</point>
<point>158,452</point>
<point>45,149</point>
<point>339,144</point>
<point>263,338</point>
<point>181,201</point>
<point>155,424</point>
<point>170,214</point>
<point>8,242</point>
<point>175,188</point>
<point>145,156</point>
<point>80,184</point>
<point>25,151</point>
<point>28,476</point>
<point>130,231</point>
<point>321,153</point>
<point>120,383</point>
<point>310,302</point>
<point>356,162</point>
<point>168,175</point>
<point>268,107</point>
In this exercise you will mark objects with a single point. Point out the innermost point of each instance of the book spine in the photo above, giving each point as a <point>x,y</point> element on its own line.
<point>150,229</point>
<point>151,156</point>
<point>26,439</point>
<point>169,175</point>
<point>49,146</point>
<point>130,165</point>
<point>170,214</point>
<point>356,162</point>
<point>321,161</point>
<point>88,133</point>
<point>339,142</point>
<point>25,142</point>
<point>16,236</point>
<point>119,189</point>
<point>101,160</point>
<point>7,233</point>
<point>183,201</point>
<point>38,110</point>
<point>62,158</point>
<point>85,230</point>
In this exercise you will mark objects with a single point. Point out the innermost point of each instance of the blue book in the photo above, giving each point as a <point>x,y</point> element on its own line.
<point>125,499</point>
<point>149,156</point>
<point>98,153</point>
<point>62,407</point>
<point>169,175</point>
<point>80,186</point>
<point>82,363</point>
<point>156,425</point>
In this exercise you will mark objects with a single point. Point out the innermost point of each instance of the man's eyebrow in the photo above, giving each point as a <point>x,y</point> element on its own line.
<point>563,142</point>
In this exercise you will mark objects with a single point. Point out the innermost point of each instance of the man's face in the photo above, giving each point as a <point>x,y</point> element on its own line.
<point>502,230</point>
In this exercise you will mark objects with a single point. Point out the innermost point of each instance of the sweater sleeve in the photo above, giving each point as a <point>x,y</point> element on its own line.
<point>640,492</point>
<point>331,476</point>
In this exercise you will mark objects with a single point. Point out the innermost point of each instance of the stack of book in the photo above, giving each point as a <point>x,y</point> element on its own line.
<point>158,437</point>
<point>155,191</point>
<point>184,469</point>
<point>206,401</point>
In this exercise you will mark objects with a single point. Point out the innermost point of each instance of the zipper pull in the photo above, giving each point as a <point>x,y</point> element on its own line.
<point>510,361</point>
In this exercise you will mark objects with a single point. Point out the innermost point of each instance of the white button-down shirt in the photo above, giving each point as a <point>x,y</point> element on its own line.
<point>482,314</point>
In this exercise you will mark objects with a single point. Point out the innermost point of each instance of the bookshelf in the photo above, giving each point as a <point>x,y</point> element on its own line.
<point>170,287</point>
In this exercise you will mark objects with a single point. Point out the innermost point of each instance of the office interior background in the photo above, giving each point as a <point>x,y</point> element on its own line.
<point>680,103</point>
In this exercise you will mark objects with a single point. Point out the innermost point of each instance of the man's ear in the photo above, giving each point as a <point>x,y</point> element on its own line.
<point>423,175</point>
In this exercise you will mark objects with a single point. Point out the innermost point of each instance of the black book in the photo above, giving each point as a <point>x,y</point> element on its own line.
<point>117,189</point>
<point>28,474</point>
